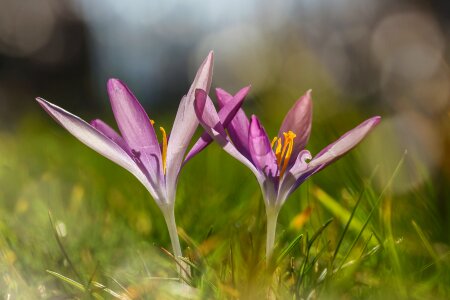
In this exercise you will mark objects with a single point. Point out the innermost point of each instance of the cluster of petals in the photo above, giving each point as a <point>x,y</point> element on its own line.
<point>281,164</point>
<point>137,149</point>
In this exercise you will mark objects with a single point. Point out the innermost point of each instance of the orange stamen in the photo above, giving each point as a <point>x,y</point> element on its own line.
<point>283,150</point>
<point>273,142</point>
<point>278,149</point>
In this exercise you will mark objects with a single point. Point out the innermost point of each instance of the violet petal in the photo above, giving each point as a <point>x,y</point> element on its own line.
<point>110,133</point>
<point>210,121</point>
<point>260,149</point>
<point>226,114</point>
<point>298,120</point>
<point>298,173</point>
<point>345,143</point>
<point>238,128</point>
<point>97,141</point>
<point>135,126</point>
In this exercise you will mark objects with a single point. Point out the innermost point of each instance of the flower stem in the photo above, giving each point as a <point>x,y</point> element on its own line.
<point>272,216</point>
<point>169,216</point>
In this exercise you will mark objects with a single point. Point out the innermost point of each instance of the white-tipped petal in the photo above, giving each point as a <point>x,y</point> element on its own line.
<point>345,143</point>
<point>185,125</point>
<point>97,141</point>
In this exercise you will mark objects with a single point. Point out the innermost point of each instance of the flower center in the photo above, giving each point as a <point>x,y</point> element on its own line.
<point>164,146</point>
<point>283,150</point>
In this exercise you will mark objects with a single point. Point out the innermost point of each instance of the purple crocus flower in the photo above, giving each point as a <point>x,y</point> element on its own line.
<point>282,164</point>
<point>156,165</point>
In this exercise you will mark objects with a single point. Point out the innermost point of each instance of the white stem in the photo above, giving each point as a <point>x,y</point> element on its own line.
<point>272,216</point>
<point>169,216</point>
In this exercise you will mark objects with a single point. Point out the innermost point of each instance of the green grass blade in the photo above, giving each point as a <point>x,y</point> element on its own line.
<point>427,244</point>
<point>319,232</point>
<point>337,210</point>
<point>376,205</point>
<point>285,252</point>
<point>109,291</point>
<point>347,225</point>
<point>347,254</point>
<point>74,283</point>
<point>68,280</point>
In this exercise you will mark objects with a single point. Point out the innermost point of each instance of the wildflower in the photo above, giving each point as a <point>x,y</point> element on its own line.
<point>280,165</point>
<point>156,165</point>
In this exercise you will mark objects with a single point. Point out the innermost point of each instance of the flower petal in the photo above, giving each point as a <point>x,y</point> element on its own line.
<point>135,126</point>
<point>260,149</point>
<point>238,128</point>
<point>227,118</point>
<point>299,173</point>
<point>209,119</point>
<point>345,143</point>
<point>289,180</point>
<point>298,120</point>
<point>97,141</point>
<point>226,114</point>
<point>185,125</point>
<point>110,133</point>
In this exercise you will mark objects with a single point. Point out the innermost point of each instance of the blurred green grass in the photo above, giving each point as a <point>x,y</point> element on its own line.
<point>114,230</point>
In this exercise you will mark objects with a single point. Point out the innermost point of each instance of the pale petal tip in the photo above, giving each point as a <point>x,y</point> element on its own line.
<point>255,125</point>
<point>220,91</point>
<point>308,95</point>
<point>114,85</point>
<point>43,103</point>
<point>209,59</point>
<point>112,81</point>
<point>247,88</point>
<point>40,100</point>
<point>304,101</point>
<point>374,120</point>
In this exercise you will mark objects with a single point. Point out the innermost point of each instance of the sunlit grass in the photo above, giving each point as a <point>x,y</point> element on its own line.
<point>338,236</point>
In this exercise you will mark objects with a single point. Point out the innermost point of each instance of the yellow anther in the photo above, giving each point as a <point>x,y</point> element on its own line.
<point>289,135</point>
<point>284,149</point>
<point>164,148</point>
<point>288,140</point>
<point>278,149</point>
<point>152,122</point>
<point>273,142</point>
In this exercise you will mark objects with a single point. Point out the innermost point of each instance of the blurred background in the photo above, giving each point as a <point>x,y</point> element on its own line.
<point>360,57</point>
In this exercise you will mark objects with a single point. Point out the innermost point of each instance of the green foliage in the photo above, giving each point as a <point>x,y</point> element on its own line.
<point>106,238</point>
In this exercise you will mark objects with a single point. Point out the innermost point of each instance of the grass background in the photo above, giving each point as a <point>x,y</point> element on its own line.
<point>360,58</point>
<point>396,245</point>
